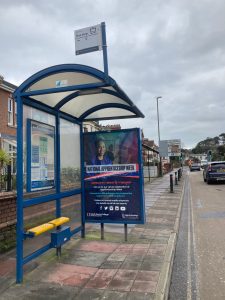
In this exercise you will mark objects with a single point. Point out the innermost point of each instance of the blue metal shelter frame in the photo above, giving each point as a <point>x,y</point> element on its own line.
<point>39,92</point>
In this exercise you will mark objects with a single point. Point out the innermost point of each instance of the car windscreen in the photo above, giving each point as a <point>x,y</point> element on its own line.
<point>218,167</point>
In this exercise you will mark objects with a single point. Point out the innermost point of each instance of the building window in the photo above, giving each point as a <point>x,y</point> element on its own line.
<point>15,114</point>
<point>10,111</point>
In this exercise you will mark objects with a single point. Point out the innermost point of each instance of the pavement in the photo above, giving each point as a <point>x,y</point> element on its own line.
<point>91,268</point>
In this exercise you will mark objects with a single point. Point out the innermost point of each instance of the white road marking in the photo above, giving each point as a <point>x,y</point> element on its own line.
<point>199,203</point>
<point>194,245</point>
<point>191,234</point>
<point>189,279</point>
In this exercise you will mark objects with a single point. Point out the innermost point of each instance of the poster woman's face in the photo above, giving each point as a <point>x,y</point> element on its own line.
<point>101,148</point>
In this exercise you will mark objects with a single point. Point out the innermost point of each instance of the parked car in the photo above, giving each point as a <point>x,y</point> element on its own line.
<point>204,163</point>
<point>195,167</point>
<point>214,171</point>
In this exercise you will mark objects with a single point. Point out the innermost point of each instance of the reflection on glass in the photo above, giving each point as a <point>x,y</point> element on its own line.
<point>70,155</point>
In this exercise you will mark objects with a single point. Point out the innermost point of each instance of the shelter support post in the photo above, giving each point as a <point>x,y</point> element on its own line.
<point>102,231</point>
<point>125,232</point>
<point>82,183</point>
<point>19,183</point>
<point>104,48</point>
<point>58,181</point>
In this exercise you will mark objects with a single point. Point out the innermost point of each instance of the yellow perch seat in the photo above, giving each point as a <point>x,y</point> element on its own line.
<point>40,229</point>
<point>47,226</point>
<point>59,221</point>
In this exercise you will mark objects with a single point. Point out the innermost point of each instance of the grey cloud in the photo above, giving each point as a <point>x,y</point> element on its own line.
<point>172,48</point>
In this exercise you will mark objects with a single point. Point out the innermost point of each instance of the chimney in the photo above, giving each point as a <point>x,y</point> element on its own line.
<point>1,79</point>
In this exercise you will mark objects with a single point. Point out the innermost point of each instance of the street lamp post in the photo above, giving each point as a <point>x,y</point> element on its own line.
<point>160,163</point>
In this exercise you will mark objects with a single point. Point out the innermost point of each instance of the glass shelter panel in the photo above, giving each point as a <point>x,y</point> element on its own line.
<point>70,155</point>
<point>71,208</point>
<point>36,215</point>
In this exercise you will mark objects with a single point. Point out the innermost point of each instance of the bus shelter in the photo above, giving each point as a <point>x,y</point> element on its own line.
<point>51,108</point>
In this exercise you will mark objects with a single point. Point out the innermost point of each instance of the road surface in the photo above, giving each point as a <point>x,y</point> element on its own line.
<point>199,264</point>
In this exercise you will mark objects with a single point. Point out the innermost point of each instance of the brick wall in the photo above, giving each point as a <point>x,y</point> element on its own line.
<point>7,221</point>
<point>4,127</point>
<point>8,216</point>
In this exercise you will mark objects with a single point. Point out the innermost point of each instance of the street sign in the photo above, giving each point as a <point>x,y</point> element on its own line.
<point>163,148</point>
<point>170,148</point>
<point>88,39</point>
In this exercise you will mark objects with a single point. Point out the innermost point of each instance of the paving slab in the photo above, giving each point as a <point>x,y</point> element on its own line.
<point>92,268</point>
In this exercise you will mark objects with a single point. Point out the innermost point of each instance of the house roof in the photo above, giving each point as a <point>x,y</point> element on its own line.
<point>10,85</point>
<point>149,148</point>
<point>149,143</point>
<point>7,86</point>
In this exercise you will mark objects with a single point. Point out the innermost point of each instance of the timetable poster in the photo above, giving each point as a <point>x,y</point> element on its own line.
<point>41,156</point>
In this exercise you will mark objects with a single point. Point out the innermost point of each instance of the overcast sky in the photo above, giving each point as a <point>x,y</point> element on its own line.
<point>174,49</point>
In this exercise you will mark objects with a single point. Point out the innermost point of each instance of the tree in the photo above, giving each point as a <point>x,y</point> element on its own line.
<point>221,152</point>
<point>4,160</point>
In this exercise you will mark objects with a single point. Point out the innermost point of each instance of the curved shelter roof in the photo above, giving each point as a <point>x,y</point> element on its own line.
<point>79,91</point>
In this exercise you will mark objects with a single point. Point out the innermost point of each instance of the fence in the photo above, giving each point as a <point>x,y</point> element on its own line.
<point>150,171</point>
<point>7,179</point>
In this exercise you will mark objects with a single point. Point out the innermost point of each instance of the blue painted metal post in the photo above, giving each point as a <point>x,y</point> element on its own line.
<point>19,186</point>
<point>104,48</point>
<point>82,182</point>
<point>28,155</point>
<point>57,166</point>
<point>141,181</point>
<point>57,171</point>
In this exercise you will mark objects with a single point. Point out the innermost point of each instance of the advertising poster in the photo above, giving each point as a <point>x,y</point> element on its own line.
<point>170,148</point>
<point>174,148</point>
<point>40,156</point>
<point>113,177</point>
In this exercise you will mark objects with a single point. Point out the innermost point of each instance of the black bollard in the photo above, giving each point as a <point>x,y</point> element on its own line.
<point>180,172</point>
<point>171,183</point>
<point>179,175</point>
<point>176,183</point>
